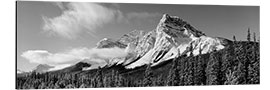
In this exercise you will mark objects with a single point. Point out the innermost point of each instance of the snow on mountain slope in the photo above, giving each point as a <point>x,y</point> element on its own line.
<point>133,36</point>
<point>146,59</point>
<point>109,43</point>
<point>174,37</point>
<point>143,46</point>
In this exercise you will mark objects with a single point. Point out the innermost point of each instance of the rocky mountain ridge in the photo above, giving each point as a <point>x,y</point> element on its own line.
<point>172,37</point>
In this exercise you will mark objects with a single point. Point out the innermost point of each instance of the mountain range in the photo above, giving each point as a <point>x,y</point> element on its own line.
<point>173,37</point>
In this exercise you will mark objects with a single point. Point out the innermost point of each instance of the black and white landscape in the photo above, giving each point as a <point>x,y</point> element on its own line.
<point>94,45</point>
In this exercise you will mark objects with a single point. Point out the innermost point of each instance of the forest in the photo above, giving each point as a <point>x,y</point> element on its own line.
<point>236,64</point>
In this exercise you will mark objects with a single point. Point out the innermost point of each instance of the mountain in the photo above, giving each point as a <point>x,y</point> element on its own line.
<point>41,68</point>
<point>109,43</point>
<point>172,37</point>
<point>133,36</point>
<point>73,68</point>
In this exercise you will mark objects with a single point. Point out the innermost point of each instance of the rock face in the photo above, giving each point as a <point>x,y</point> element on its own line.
<point>172,37</point>
<point>109,43</point>
<point>133,36</point>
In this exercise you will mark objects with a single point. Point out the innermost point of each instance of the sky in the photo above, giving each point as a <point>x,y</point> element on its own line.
<point>62,33</point>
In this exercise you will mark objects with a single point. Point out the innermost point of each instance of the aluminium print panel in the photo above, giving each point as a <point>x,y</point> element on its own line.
<point>103,45</point>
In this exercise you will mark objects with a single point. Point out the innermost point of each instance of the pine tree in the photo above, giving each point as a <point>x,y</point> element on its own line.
<point>191,50</point>
<point>253,67</point>
<point>170,77</point>
<point>185,71</point>
<point>213,70</point>
<point>254,37</point>
<point>148,76</point>
<point>99,78</point>
<point>231,78</point>
<point>234,39</point>
<point>118,80</point>
<point>190,73</point>
<point>182,71</point>
<point>248,36</point>
<point>200,70</point>
<point>242,64</point>
<point>226,62</point>
<point>176,69</point>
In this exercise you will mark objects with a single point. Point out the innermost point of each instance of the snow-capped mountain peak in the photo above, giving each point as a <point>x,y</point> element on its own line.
<point>172,37</point>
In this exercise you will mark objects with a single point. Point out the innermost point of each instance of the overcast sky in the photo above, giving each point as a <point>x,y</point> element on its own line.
<point>59,34</point>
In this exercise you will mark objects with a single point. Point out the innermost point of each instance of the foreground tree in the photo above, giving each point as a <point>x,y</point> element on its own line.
<point>213,70</point>
<point>148,76</point>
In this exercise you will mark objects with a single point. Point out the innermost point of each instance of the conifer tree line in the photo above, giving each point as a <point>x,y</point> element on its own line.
<point>238,63</point>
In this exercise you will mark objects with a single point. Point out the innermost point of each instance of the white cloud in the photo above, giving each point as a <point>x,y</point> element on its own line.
<point>84,17</point>
<point>63,59</point>
<point>78,17</point>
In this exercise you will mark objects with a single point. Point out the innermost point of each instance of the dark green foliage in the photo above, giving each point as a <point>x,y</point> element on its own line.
<point>238,63</point>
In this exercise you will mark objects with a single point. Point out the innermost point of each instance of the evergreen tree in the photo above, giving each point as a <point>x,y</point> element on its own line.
<point>118,80</point>
<point>226,62</point>
<point>254,37</point>
<point>190,78</point>
<point>148,76</point>
<point>242,64</point>
<point>191,50</point>
<point>231,78</point>
<point>200,70</point>
<point>248,36</point>
<point>253,67</point>
<point>170,77</point>
<point>213,70</point>
<point>234,39</point>
<point>99,78</point>
<point>182,71</point>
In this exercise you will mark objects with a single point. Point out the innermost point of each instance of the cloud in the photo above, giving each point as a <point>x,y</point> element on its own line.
<point>63,59</point>
<point>79,17</point>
